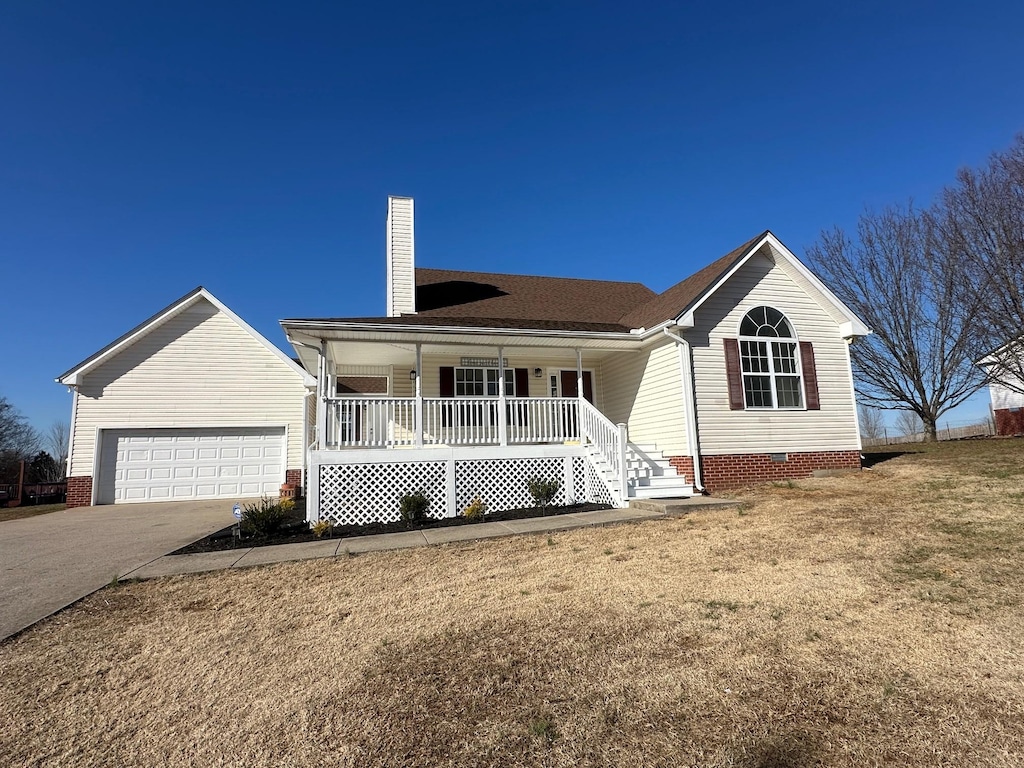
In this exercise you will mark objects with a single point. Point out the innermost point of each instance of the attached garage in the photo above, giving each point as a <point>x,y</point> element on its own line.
<point>191,404</point>
<point>138,465</point>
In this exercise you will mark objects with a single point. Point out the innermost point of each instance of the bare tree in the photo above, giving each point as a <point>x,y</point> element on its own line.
<point>18,440</point>
<point>57,437</point>
<point>908,424</point>
<point>896,277</point>
<point>982,221</point>
<point>16,435</point>
<point>872,422</point>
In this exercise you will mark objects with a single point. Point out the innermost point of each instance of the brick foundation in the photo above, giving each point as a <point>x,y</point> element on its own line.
<point>79,492</point>
<point>1010,421</point>
<point>294,476</point>
<point>683,465</point>
<point>733,471</point>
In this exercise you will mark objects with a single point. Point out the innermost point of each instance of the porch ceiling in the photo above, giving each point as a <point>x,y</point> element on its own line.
<point>364,346</point>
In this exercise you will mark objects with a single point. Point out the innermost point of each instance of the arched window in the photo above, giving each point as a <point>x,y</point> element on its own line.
<point>769,361</point>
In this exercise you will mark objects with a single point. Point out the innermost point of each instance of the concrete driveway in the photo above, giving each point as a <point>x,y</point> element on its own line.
<point>50,561</point>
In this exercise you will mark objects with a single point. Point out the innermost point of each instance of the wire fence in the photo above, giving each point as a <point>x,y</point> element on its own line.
<point>984,428</point>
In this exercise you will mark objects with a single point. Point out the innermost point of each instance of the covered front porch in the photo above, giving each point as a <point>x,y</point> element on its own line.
<point>459,413</point>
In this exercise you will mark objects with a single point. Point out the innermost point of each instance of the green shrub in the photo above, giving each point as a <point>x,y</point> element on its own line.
<point>543,491</point>
<point>476,510</point>
<point>413,508</point>
<point>264,517</point>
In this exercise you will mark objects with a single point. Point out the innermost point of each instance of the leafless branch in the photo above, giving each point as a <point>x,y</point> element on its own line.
<point>896,276</point>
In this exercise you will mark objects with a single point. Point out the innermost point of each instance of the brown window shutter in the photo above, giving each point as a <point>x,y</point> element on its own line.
<point>447,381</point>
<point>522,382</point>
<point>733,374</point>
<point>810,376</point>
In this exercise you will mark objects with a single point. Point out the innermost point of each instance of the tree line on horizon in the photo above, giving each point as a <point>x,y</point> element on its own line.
<point>942,289</point>
<point>44,453</point>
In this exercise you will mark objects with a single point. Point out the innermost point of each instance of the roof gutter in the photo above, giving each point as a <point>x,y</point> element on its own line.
<point>450,330</point>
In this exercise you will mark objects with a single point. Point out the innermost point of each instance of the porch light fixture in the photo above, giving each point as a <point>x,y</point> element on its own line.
<point>412,375</point>
<point>537,373</point>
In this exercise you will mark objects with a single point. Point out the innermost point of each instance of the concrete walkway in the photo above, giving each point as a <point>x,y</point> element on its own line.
<point>50,561</point>
<point>243,557</point>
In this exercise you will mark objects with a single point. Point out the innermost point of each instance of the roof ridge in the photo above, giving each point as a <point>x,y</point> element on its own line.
<point>541,277</point>
<point>676,298</point>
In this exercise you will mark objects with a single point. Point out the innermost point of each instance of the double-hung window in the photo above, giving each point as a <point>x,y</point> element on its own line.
<point>769,361</point>
<point>482,382</point>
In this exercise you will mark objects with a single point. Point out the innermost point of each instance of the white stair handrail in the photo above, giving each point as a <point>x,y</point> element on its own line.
<point>610,441</point>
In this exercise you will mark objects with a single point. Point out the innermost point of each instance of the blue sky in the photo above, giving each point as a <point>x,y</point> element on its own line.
<point>148,148</point>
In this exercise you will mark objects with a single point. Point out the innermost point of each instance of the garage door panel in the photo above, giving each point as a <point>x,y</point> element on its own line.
<point>160,464</point>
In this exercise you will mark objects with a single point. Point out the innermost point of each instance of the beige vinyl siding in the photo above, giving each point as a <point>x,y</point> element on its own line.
<point>538,387</point>
<point>1004,397</point>
<point>644,390</point>
<point>401,384</point>
<point>805,285</point>
<point>197,369</point>
<point>722,431</point>
<point>310,418</point>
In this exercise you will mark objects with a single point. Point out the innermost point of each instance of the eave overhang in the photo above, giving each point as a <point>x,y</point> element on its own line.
<point>312,332</point>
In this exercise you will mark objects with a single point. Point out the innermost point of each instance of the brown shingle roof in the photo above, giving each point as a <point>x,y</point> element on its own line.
<point>472,322</point>
<point>453,298</point>
<point>673,301</point>
<point>458,294</point>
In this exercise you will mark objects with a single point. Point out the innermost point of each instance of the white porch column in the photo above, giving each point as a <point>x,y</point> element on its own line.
<point>321,397</point>
<point>419,395</point>
<point>502,412</point>
<point>579,373</point>
<point>579,393</point>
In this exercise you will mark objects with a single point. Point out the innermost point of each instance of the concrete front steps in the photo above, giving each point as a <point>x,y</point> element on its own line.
<point>649,475</point>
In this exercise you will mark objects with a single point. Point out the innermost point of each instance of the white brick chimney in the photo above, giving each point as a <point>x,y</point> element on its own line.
<point>401,252</point>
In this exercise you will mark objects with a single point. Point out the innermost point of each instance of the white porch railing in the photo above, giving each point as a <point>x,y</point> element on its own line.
<point>543,420</point>
<point>391,422</point>
<point>370,422</point>
<point>388,422</point>
<point>609,440</point>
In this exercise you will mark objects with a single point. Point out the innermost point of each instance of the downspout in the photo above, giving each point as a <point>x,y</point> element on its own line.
<point>689,403</point>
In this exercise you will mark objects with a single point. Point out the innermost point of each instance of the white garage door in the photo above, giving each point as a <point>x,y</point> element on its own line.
<point>174,464</point>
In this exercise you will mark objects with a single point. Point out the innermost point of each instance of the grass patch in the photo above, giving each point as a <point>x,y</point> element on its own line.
<point>870,619</point>
<point>18,513</point>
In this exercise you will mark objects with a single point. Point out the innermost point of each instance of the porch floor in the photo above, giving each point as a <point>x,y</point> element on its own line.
<point>173,565</point>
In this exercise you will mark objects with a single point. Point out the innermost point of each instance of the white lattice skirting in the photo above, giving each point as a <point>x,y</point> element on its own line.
<point>360,487</point>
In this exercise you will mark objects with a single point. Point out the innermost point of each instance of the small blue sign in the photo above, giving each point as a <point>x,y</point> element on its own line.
<point>237,511</point>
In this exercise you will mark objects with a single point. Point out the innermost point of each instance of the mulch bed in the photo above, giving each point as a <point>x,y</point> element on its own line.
<point>296,529</point>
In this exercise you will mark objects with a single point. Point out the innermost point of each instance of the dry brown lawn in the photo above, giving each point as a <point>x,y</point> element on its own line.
<point>29,510</point>
<point>866,620</point>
